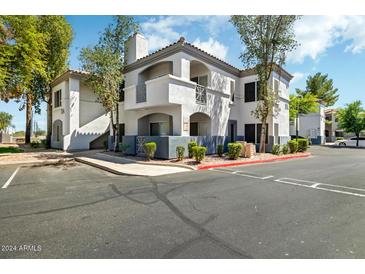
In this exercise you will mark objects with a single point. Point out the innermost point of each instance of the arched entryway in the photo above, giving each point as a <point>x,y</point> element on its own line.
<point>200,124</point>
<point>155,124</point>
<point>57,134</point>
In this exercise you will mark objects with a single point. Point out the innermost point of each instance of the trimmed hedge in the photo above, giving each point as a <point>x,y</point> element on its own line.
<point>199,153</point>
<point>293,146</point>
<point>220,150</point>
<point>190,148</point>
<point>180,152</point>
<point>276,149</point>
<point>285,149</point>
<point>302,144</point>
<point>150,149</point>
<point>234,150</point>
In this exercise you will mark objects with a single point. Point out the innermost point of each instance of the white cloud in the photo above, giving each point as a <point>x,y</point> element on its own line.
<point>213,47</point>
<point>318,33</point>
<point>161,31</point>
<point>297,76</point>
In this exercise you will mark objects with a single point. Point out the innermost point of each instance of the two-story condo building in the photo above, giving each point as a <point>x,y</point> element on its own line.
<point>172,96</point>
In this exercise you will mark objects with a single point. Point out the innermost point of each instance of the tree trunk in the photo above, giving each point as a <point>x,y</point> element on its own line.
<point>28,118</point>
<point>49,120</point>
<point>263,136</point>
<point>357,139</point>
<point>112,125</point>
<point>116,139</point>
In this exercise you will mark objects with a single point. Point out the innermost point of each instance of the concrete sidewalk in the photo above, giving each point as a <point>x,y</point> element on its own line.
<point>123,166</point>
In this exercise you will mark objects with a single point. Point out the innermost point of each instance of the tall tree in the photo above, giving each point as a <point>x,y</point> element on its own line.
<point>5,120</point>
<point>267,40</point>
<point>105,81</point>
<point>352,119</point>
<point>301,104</point>
<point>322,87</point>
<point>59,35</point>
<point>25,48</point>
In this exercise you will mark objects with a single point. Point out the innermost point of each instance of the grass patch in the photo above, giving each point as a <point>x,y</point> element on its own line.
<point>10,150</point>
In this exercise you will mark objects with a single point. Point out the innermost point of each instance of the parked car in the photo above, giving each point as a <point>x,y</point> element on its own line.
<point>351,142</point>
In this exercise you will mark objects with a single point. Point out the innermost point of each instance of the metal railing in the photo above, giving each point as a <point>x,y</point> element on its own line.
<point>201,95</point>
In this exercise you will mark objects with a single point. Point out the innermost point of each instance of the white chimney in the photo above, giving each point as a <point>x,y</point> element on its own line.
<point>136,47</point>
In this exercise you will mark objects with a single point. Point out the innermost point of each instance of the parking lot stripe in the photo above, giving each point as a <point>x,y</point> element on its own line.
<point>239,173</point>
<point>11,178</point>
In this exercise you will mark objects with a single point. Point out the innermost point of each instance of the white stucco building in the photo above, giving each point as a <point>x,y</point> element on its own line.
<point>174,95</point>
<point>311,125</point>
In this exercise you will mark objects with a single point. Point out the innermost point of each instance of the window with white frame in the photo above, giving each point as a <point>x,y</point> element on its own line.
<point>57,99</point>
<point>276,86</point>
<point>201,80</point>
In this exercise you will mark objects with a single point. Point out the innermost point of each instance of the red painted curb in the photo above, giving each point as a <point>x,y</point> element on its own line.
<point>277,158</point>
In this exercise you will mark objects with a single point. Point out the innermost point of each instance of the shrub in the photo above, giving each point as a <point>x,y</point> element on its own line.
<point>150,149</point>
<point>276,149</point>
<point>339,138</point>
<point>293,146</point>
<point>199,153</point>
<point>180,152</point>
<point>285,149</point>
<point>190,148</point>
<point>220,150</point>
<point>123,147</point>
<point>35,143</point>
<point>234,150</point>
<point>302,145</point>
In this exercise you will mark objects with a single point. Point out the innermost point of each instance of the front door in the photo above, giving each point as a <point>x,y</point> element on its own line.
<point>232,131</point>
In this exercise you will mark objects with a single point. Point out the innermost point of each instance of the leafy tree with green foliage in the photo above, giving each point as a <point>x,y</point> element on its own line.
<point>105,64</point>
<point>5,120</point>
<point>352,119</point>
<point>302,104</point>
<point>59,36</point>
<point>321,87</point>
<point>267,40</point>
<point>22,57</point>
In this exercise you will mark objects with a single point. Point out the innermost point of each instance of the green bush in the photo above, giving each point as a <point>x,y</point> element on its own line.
<point>220,150</point>
<point>285,149</point>
<point>123,147</point>
<point>180,152</point>
<point>190,148</point>
<point>234,150</point>
<point>339,138</point>
<point>293,146</point>
<point>150,149</point>
<point>276,149</point>
<point>199,153</point>
<point>35,143</point>
<point>302,144</point>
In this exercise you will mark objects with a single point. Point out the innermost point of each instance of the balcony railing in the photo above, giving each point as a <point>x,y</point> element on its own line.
<point>141,93</point>
<point>201,95</point>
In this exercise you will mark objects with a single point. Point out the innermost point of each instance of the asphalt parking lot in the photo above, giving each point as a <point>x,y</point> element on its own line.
<point>303,208</point>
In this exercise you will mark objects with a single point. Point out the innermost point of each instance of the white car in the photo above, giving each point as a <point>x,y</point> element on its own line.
<point>351,142</point>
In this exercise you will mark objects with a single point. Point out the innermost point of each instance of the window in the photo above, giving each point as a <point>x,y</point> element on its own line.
<point>276,86</point>
<point>258,133</point>
<point>232,90</point>
<point>250,92</point>
<point>159,129</point>
<point>201,80</point>
<point>121,92</point>
<point>57,99</point>
<point>250,133</point>
<point>286,106</point>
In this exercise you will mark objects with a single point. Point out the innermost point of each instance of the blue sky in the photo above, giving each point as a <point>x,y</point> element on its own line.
<point>329,44</point>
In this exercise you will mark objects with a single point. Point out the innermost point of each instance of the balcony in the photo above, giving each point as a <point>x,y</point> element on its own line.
<point>162,91</point>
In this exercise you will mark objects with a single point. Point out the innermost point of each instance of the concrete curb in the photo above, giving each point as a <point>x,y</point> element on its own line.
<point>156,164</point>
<point>277,158</point>
<point>39,163</point>
<point>77,159</point>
